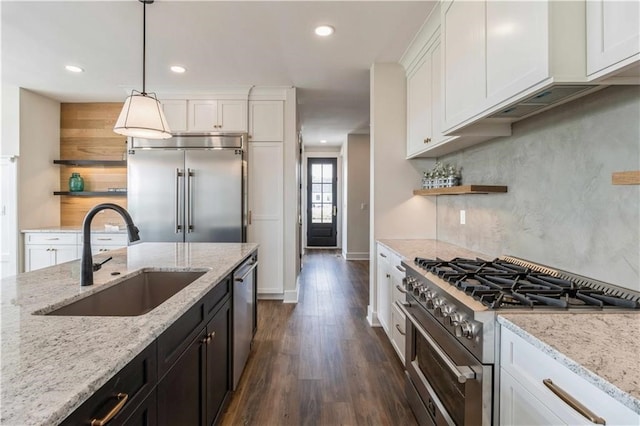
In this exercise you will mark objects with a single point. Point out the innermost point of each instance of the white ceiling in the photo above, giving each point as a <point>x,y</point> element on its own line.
<point>221,43</point>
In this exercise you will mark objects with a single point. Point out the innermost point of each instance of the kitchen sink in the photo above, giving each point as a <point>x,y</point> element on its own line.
<point>133,296</point>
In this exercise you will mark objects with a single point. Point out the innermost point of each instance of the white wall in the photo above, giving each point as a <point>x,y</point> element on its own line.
<point>356,182</point>
<point>395,212</point>
<point>38,177</point>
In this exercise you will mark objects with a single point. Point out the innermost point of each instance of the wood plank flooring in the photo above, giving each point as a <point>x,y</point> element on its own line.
<point>318,362</point>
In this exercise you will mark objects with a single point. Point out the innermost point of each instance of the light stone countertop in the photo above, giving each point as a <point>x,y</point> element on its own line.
<point>72,229</point>
<point>602,348</point>
<point>52,364</point>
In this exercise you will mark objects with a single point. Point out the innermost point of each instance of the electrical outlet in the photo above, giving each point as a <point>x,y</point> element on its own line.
<point>463,217</point>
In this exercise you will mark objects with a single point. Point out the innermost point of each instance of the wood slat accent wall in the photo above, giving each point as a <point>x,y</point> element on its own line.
<point>86,133</point>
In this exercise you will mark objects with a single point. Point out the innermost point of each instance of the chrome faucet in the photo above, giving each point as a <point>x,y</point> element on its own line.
<point>86,264</point>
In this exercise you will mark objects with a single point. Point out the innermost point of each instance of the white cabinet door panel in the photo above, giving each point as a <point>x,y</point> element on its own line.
<point>266,121</point>
<point>203,115</point>
<point>175,111</point>
<point>65,254</point>
<point>613,33</point>
<point>419,105</point>
<point>464,60</point>
<point>37,257</point>
<point>517,47</point>
<point>232,116</point>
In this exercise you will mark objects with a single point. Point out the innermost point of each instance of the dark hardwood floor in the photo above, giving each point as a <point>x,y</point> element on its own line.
<point>318,362</point>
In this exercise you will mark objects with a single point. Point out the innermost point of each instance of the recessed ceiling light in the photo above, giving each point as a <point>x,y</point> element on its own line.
<point>324,30</point>
<point>73,68</point>
<point>178,69</point>
<point>323,141</point>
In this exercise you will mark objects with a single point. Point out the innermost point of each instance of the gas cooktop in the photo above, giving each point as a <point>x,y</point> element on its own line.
<point>508,282</point>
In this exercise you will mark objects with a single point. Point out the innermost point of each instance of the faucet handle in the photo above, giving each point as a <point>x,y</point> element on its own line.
<point>97,266</point>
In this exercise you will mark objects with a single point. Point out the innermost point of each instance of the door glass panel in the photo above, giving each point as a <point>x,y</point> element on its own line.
<point>316,187</point>
<point>326,213</point>
<point>316,213</point>
<point>316,173</point>
<point>327,173</point>
<point>316,197</point>
<point>327,197</point>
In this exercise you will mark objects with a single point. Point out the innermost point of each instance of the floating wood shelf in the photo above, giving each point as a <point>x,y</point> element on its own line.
<point>626,178</point>
<point>108,163</point>
<point>461,190</point>
<point>92,193</point>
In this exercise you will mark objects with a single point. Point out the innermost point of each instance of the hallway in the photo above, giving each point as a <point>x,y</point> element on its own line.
<point>319,362</point>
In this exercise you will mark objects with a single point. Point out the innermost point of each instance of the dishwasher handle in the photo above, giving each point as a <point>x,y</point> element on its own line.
<point>251,266</point>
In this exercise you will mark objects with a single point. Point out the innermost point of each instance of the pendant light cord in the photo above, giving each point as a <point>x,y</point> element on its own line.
<point>144,45</point>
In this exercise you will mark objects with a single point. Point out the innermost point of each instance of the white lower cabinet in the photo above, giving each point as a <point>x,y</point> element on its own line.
<point>389,275</point>
<point>530,384</point>
<point>42,249</point>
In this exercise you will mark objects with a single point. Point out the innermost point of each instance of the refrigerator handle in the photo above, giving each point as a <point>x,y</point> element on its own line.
<point>190,174</point>
<point>178,219</point>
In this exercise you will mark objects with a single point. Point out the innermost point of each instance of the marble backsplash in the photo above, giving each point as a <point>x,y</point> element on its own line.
<point>561,209</point>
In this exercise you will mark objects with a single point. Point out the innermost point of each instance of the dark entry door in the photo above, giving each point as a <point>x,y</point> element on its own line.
<point>322,212</point>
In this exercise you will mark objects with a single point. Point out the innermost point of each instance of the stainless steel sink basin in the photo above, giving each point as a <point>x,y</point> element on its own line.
<point>132,297</point>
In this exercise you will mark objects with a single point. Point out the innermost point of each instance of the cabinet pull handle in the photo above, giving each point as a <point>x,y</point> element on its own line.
<point>249,217</point>
<point>427,140</point>
<point>401,269</point>
<point>400,289</point>
<point>53,239</point>
<point>383,255</point>
<point>104,239</point>
<point>122,399</point>
<point>573,403</point>
<point>400,330</point>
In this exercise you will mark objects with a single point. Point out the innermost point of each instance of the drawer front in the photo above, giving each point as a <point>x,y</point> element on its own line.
<point>216,295</point>
<point>51,238</point>
<point>530,366</point>
<point>119,240</point>
<point>178,336</point>
<point>398,331</point>
<point>136,380</point>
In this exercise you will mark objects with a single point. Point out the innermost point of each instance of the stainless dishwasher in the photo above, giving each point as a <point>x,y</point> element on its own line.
<point>244,314</point>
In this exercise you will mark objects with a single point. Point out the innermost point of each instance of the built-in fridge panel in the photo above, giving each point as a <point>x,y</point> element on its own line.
<point>155,194</point>
<point>195,194</point>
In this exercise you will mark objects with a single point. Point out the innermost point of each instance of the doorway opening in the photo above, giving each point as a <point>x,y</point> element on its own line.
<point>322,207</point>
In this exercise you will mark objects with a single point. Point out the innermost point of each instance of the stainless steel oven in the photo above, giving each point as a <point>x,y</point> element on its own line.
<point>446,384</point>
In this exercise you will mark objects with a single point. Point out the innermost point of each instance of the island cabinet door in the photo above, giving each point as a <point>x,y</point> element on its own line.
<point>181,390</point>
<point>218,382</point>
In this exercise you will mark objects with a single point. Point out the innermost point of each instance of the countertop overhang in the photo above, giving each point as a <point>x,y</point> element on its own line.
<point>51,364</point>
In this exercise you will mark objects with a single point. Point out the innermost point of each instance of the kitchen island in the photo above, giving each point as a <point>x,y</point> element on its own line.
<point>52,364</point>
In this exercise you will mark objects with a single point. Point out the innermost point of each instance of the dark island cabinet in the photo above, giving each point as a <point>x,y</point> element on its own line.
<point>218,363</point>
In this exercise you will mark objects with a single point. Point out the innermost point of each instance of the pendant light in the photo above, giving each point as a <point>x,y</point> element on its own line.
<point>142,114</point>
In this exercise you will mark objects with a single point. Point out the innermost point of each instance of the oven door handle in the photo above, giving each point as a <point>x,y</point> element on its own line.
<point>462,372</point>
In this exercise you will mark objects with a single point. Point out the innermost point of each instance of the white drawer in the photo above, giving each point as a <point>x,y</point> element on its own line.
<point>398,330</point>
<point>49,238</point>
<point>104,239</point>
<point>530,366</point>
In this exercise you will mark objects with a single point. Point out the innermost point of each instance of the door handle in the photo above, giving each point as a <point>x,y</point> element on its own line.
<point>190,174</point>
<point>178,221</point>
<point>335,210</point>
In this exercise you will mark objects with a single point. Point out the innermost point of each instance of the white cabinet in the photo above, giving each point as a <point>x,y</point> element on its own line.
<point>419,106</point>
<point>217,115</point>
<point>175,111</point>
<point>613,35</point>
<point>266,121</point>
<point>101,242</point>
<point>398,327</point>
<point>498,53</point>
<point>42,249</point>
<point>383,288</point>
<point>266,220</point>
<point>528,377</point>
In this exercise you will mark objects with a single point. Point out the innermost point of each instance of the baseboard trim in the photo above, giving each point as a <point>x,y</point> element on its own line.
<point>291,296</point>
<point>356,255</point>
<point>372,318</point>
<point>270,296</point>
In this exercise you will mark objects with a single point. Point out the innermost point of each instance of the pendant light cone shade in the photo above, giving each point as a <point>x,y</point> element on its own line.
<point>142,117</point>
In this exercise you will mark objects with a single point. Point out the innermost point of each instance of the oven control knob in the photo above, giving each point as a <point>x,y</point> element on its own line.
<point>433,301</point>
<point>464,329</point>
<point>452,318</point>
<point>440,308</point>
<point>417,288</point>
<point>425,293</point>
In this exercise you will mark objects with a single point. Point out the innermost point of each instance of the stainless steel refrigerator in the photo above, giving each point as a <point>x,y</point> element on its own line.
<point>191,187</point>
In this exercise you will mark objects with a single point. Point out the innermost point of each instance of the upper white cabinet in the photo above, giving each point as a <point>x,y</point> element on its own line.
<point>217,115</point>
<point>423,64</point>
<point>497,54</point>
<point>175,111</point>
<point>613,36</point>
<point>266,121</point>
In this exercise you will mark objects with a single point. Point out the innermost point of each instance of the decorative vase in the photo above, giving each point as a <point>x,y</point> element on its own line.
<point>76,183</point>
